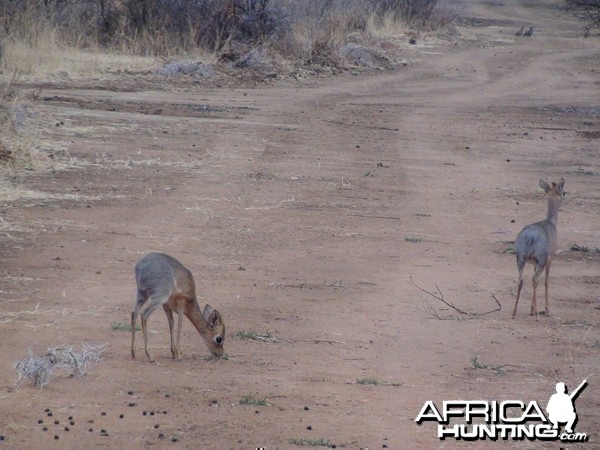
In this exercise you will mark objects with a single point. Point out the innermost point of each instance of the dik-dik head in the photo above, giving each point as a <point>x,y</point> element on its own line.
<point>555,192</point>
<point>215,338</point>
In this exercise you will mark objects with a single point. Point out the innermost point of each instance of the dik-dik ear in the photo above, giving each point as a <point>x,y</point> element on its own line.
<point>545,186</point>
<point>561,186</point>
<point>212,316</point>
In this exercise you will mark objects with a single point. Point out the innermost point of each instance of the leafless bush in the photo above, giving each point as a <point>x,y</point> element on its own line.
<point>38,369</point>
<point>588,11</point>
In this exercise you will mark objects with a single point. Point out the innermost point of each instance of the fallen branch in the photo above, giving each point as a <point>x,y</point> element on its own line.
<point>440,296</point>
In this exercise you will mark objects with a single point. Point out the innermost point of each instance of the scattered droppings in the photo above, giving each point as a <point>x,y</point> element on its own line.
<point>132,404</point>
<point>309,427</point>
<point>121,416</point>
<point>103,413</point>
<point>175,439</point>
<point>56,437</point>
<point>40,421</point>
<point>144,413</point>
<point>67,429</point>
<point>161,435</point>
<point>130,393</point>
<point>91,430</point>
<point>156,426</point>
<point>306,408</point>
<point>45,429</point>
<point>57,422</point>
<point>50,414</point>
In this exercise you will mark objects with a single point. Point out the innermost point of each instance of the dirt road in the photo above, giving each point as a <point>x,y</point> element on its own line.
<point>304,209</point>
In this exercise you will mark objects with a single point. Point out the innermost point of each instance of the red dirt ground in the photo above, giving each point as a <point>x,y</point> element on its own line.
<point>304,209</point>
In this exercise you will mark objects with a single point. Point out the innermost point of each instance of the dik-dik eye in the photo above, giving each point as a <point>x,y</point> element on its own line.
<point>219,340</point>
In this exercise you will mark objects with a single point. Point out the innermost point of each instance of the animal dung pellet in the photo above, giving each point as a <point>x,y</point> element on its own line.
<point>56,437</point>
<point>45,429</point>
<point>156,426</point>
<point>309,427</point>
<point>70,418</point>
<point>91,430</point>
<point>131,405</point>
<point>57,422</point>
<point>144,413</point>
<point>165,411</point>
<point>306,408</point>
<point>40,421</point>
<point>121,416</point>
<point>161,435</point>
<point>175,439</point>
<point>151,413</point>
<point>72,422</point>
<point>103,413</point>
<point>47,410</point>
<point>129,392</point>
<point>67,429</point>
<point>50,414</point>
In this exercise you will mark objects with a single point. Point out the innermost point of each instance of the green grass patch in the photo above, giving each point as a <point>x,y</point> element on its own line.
<point>120,326</point>
<point>251,400</point>
<point>376,382</point>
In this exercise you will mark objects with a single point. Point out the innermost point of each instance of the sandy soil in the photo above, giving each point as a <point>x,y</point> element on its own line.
<point>304,209</point>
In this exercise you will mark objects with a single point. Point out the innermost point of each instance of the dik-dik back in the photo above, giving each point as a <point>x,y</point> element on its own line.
<point>161,274</point>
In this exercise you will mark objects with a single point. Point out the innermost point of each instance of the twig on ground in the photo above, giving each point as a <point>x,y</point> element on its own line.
<point>440,296</point>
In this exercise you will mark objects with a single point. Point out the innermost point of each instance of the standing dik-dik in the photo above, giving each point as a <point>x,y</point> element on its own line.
<point>536,243</point>
<point>164,281</point>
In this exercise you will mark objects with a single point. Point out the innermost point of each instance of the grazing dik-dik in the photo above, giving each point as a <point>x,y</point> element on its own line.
<point>536,243</point>
<point>164,281</point>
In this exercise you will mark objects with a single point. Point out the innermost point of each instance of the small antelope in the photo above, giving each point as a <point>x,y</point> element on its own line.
<point>529,32</point>
<point>536,243</point>
<point>164,281</point>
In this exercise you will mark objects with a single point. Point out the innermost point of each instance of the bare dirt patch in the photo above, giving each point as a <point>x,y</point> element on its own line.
<point>303,210</point>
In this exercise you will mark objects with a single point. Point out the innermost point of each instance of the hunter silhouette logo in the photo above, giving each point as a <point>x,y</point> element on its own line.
<point>560,406</point>
<point>509,419</point>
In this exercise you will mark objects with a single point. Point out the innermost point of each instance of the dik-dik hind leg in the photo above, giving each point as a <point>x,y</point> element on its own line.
<point>141,299</point>
<point>539,267</point>
<point>547,284</point>
<point>518,295</point>
<point>155,302</point>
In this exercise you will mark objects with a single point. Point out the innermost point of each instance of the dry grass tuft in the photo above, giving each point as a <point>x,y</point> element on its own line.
<point>39,369</point>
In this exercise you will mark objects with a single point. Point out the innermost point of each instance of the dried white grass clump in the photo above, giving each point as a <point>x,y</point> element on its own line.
<point>38,369</point>
<point>178,68</point>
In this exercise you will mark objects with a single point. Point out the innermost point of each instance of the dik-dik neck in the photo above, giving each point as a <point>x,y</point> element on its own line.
<point>553,207</point>
<point>192,311</point>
